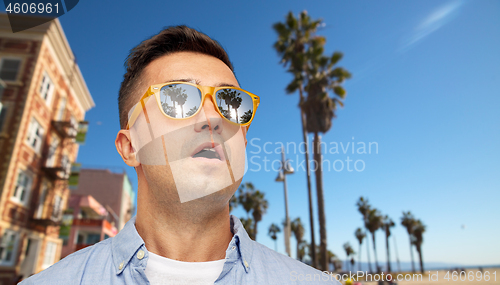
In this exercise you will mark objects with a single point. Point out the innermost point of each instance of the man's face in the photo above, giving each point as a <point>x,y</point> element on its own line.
<point>186,159</point>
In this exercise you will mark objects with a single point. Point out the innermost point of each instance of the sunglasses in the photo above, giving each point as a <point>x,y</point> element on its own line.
<point>183,100</point>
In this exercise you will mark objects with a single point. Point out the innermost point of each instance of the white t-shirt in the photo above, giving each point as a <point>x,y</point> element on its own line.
<point>162,271</point>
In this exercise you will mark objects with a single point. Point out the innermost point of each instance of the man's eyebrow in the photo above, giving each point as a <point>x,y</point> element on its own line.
<point>196,81</point>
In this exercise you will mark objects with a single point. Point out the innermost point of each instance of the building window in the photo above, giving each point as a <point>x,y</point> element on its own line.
<point>51,155</point>
<point>88,238</point>
<point>57,211</point>
<point>93,238</point>
<point>41,201</point>
<point>50,254</point>
<point>23,187</point>
<point>46,88</point>
<point>9,69</point>
<point>3,117</point>
<point>62,108</point>
<point>8,247</point>
<point>35,135</point>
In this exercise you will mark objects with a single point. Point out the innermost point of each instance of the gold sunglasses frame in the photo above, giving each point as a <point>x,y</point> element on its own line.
<point>154,90</point>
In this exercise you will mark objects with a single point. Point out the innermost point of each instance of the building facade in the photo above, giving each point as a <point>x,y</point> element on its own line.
<point>86,222</point>
<point>112,190</point>
<point>43,100</point>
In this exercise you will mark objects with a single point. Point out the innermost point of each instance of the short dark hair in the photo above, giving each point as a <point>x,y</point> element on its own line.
<point>169,40</point>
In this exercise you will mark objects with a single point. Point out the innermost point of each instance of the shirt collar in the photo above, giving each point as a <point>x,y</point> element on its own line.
<point>125,244</point>
<point>243,242</point>
<point>128,241</point>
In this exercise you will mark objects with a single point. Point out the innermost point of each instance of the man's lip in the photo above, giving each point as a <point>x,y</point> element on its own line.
<point>216,146</point>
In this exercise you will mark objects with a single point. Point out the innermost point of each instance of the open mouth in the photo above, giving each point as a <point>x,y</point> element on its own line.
<point>209,151</point>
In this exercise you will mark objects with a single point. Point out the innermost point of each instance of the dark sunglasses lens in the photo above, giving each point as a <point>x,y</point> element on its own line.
<point>180,100</point>
<point>235,105</point>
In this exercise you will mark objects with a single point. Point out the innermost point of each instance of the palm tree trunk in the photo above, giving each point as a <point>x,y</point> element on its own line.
<point>411,253</point>
<point>298,243</point>
<point>375,251</point>
<point>308,174</point>
<point>255,231</point>
<point>419,249</point>
<point>359,257</point>
<point>388,254</point>
<point>397,255</point>
<point>321,202</point>
<point>368,254</point>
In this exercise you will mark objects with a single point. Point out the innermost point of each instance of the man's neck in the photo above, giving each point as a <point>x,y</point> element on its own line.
<point>181,237</point>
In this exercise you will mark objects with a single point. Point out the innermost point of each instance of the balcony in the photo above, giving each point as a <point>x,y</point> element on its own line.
<point>53,218</point>
<point>66,129</point>
<point>101,223</point>
<point>60,172</point>
<point>44,221</point>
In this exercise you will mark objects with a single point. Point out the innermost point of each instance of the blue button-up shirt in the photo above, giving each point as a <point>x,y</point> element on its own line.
<point>117,261</point>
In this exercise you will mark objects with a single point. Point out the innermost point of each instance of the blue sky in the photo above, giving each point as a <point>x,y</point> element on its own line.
<point>425,89</point>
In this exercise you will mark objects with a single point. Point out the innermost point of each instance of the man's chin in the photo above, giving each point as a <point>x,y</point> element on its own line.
<point>205,187</point>
<point>208,205</point>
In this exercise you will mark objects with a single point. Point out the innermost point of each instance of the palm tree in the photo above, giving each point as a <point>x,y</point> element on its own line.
<point>408,221</point>
<point>228,99</point>
<point>273,230</point>
<point>227,96</point>
<point>397,255</point>
<point>293,36</point>
<point>320,109</point>
<point>174,93</point>
<point>298,231</point>
<point>258,210</point>
<point>181,100</point>
<point>310,250</point>
<point>418,231</point>
<point>253,202</point>
<point>245,197</point>
<point>302,250</point>
<point>360,235</point>
<point>348,251</point>
<point>246,116</point>
<point>387,224</point>
<point>331,259</point>
<point>364,207</point>
<point>374,223</point>
<point>233,203</point>
<point>248,225</point>
<point>220,96</point>
<point>236,103</point>
<point>337,264</point>
<point>192,111</point>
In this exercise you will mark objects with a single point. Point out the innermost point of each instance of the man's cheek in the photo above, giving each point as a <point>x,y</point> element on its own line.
<point>160,180</point>
<point>152,153</point>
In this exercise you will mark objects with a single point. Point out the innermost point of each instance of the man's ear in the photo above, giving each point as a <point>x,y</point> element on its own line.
<point>124,147</point>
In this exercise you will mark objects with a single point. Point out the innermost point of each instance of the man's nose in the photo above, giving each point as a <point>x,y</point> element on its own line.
<point>211,121</point>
